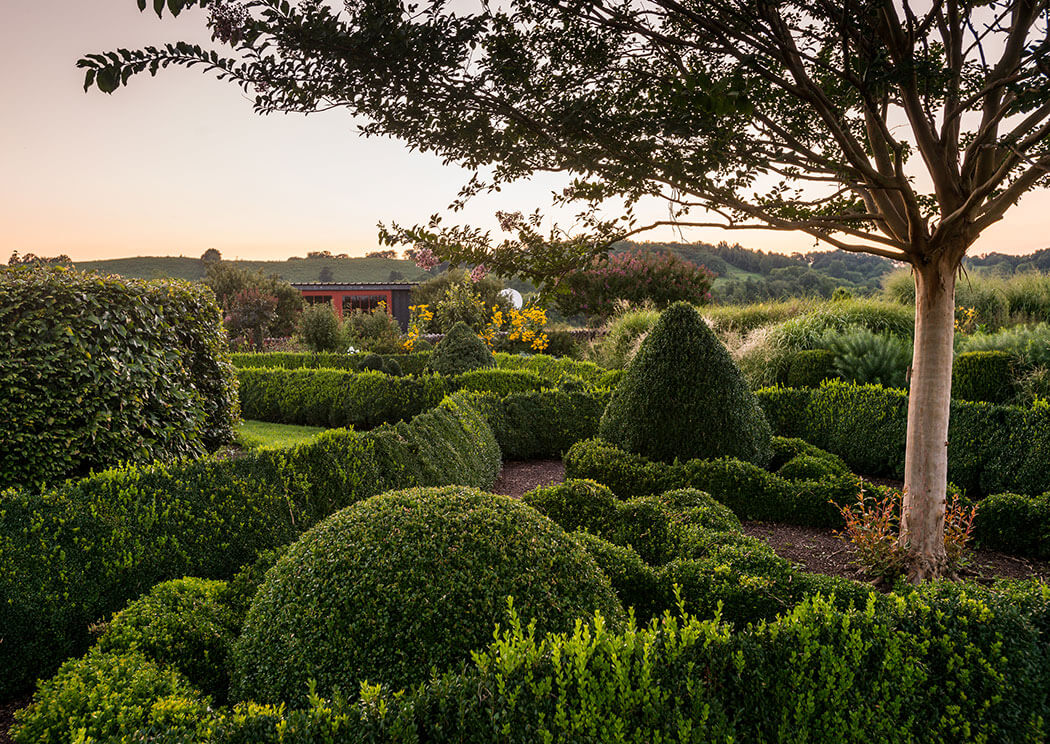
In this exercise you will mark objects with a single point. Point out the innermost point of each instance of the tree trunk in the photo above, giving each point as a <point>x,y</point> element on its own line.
<point>926,458</point>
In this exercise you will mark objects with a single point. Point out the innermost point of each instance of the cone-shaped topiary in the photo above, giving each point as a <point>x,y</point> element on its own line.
<point>461,350</point>
<point>684,397</point>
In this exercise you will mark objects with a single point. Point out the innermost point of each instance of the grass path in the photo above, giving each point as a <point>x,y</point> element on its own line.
<point>255,434</point>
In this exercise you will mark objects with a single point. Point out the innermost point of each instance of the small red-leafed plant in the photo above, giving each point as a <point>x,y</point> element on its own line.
<point>872,526</point>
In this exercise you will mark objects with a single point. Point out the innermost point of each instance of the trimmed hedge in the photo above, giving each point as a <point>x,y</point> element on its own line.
<point>987,376</point>
<point>992,448</point>
<point>749,491</point>
<point>552,369</point>
<point>74,553</point>
<point>336,398</point>
<point>502,382</point>
<point>1015,524</point>
<point>98,370</point>
<point>411,364</point>
<point>186,624</point>
<point>683,397</point>
<point>397,584</point>
<point>811,367</point>
<point>461,350</point>
<point>944,663</point>
<point>543,424</point>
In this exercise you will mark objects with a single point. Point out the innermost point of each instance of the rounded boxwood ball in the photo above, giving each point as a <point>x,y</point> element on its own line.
<point>684,398</point>
<point>409,580</point>
<point>461,350</point>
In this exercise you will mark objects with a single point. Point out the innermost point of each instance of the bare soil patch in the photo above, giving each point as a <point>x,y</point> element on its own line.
<point>518,477</point>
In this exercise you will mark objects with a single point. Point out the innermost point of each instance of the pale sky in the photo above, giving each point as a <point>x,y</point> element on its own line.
<point>179,164</point>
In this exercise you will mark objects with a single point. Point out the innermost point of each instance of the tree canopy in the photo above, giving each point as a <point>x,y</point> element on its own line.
<point>875,126</point>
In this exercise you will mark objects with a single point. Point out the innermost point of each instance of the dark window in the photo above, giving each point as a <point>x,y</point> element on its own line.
<point>363,302</point>
<point>315,299</point>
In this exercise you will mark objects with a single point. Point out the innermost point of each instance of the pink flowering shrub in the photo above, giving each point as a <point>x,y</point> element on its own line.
<point>661,278</point>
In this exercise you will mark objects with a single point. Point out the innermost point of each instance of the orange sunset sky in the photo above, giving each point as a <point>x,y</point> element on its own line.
<point>179,164</point>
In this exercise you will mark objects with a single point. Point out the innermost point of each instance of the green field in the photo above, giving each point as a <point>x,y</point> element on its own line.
<point>255,434</point>
<point>292,270</point>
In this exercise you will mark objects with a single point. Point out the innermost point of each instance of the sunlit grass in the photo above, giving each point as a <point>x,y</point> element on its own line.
<point>255,434</point>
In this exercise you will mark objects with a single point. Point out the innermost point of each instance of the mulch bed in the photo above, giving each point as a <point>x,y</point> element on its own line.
<point>518,477</point>
<point>7,715</point>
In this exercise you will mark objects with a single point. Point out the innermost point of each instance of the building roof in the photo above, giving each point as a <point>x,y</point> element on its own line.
<point>336,287</point>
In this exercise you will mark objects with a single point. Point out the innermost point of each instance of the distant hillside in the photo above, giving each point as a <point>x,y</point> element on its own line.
<point>292,270</point>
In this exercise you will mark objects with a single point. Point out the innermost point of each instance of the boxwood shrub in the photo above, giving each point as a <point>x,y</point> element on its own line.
<point>395,585</point>
<point>749,491</point>
<point>502,382</point>
<point>552,369</point>
<point>683,397</point>
<point>810,367</point>
<point>74,553</point>
<point>991,448</point>
<point>328,397</point>
<point>187,624</point>
<point>944,663</point>
<point>461,350</point>
<point>112,697</point>
<point>410,364</point>
<point>988,376</point>
<point>542,424</point>
<point>99,370</point>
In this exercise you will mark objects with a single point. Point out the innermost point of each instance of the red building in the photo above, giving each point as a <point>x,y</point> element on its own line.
<point>365,296</point>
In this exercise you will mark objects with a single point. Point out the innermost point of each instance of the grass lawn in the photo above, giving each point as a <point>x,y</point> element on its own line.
<point>255,434</point>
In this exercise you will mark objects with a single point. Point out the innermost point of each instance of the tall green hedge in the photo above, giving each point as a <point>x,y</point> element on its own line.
<point>988,376</point>
<point>333,397</point>
<point>991,448</point>
<point>98,370</point>
<point>544,423</point>
<point>74,553</point>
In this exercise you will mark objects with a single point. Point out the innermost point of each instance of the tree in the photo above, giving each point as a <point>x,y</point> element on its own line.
<point>211,256</point>
<point>249,312</point>
<point>227,280</point>
<point>804,115</point>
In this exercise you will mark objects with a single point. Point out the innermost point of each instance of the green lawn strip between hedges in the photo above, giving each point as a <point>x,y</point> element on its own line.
<point>76,552</point>
<point>256,434</point>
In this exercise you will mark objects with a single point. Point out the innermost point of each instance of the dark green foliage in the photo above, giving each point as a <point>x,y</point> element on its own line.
<point>1015,524</point>
<point>749,491</point>
<point>241,588</point>
<point>788,448</point>
<point>318,328</point>
<point>502,382</point>
<point>406,581</point>
<point>551,368</point>
<point>684,398</point>
<point>95,371</point>
<point>610,379</point>
<point>410,364</point>
<point>865,357</point>
<point>987,376</point>
<point>461,350</point>
<point>392,367</point>
<point>808,467</point>
<point>690,506</point>
<point>576,505</point>
<point>944,664</point>
<point>810,367</point>
<point>372,362</point>
<point>185,624</point>
<point>330,397</point>
<point>992,448</point>
<point>635,582</point>
<point>104,697</point>
<point>450,444</point>
<point>80,551</point>
<point>541,424</point>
